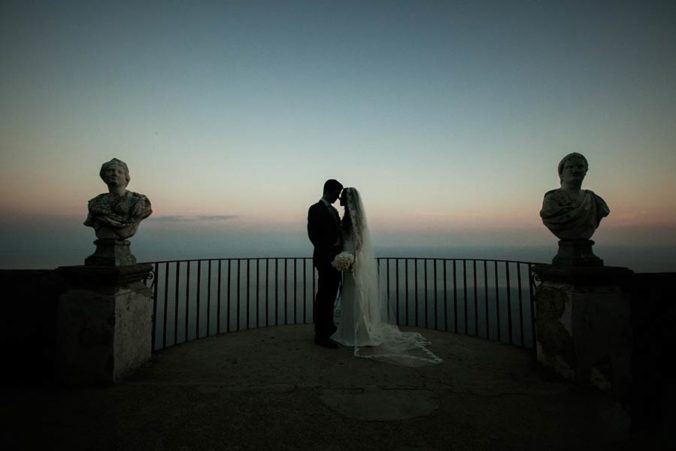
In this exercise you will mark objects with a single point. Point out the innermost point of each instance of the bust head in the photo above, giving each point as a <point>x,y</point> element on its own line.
<point>570,212</point>
<point>117,213</point>
<point>115,173</point>
<point>573,168</point>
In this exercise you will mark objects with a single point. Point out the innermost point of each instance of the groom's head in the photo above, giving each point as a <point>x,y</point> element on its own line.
<point>332,189</point>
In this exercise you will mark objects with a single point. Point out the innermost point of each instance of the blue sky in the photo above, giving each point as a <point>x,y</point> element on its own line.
<point>449,117</point>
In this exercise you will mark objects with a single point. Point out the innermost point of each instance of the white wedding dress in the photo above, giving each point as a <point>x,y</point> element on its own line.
<point>363,319</point>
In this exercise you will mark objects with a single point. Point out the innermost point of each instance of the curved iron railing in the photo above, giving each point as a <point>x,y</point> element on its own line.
<point>193,299</point>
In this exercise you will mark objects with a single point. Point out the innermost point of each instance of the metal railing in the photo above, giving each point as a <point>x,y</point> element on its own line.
<point>193,299</point>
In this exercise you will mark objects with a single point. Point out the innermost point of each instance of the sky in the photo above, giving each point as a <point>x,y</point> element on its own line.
<point>449,117</point>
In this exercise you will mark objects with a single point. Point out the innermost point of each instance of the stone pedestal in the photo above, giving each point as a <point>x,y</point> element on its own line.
<point>110,252</point>
<point>104,326</point>
<point>583,325</point>
<point>576,253</point>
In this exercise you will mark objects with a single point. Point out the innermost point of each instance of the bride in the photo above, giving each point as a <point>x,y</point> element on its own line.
<point>365,321</point>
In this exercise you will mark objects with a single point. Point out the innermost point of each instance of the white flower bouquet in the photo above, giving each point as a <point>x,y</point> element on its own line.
<point>343,261</point>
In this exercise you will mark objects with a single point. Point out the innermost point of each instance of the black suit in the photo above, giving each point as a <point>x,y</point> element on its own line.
<point>323,229</point>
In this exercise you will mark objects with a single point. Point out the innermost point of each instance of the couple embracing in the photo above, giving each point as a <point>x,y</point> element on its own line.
<point>348,276</point>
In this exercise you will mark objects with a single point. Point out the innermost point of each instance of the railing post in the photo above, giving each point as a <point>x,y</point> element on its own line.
<point>199,292</point>
<point>209,299</point>
<point>258,291</point>
<point>187,305</point>
<point>476,300</point>
<point>464,293</point>
<point>238,288</point>
<point>497,300</point>
<point>455,298</point>
<point>518,278</point>
<point>166,302</point>
<point>218,298</point>
<point>267,292</point>
<point>445,296</point>
<point>488,334</point>
<point>436,291</point>
<point>509,304</point>
<point>304,290</point>
<point>228,302</point>
<point>406,287</point>
<point>295,291</point>
<point>248,293</point>
<point>154,316</point>
<point>176,297</point>
<point>396,282</point>
<point>277,316</point>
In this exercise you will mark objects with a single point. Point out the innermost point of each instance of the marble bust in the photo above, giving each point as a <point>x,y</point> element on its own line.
<point>117,214</point>
<point>573,214</point>
<point>570,212</point>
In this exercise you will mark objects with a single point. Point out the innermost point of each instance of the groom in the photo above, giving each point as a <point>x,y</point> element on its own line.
<point>323,229</point>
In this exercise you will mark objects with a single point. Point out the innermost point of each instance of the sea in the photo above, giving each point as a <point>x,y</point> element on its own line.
<point>45,247</point>
<point>267,278</point>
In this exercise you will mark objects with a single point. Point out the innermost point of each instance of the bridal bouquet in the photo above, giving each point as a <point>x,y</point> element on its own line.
<point>343,261</point>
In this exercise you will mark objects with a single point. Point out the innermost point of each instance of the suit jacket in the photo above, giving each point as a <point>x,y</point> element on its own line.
<point>323,229</point>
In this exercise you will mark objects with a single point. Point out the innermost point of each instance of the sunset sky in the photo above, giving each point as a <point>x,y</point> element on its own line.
<point>450,117</point>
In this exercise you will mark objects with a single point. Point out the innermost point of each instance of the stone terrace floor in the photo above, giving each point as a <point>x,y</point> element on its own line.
<point>272,389</point>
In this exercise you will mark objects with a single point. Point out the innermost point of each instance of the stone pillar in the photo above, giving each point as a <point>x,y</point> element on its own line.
<point>104,326</point>
<point>583,325</point>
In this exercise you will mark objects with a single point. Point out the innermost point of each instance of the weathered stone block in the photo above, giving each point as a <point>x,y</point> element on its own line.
<point>584,326</point>
<point>104,331</point>
<point>553,326</point>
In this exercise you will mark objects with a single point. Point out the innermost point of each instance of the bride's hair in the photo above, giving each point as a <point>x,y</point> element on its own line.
<point>354,221</point>
<point>347,221</point>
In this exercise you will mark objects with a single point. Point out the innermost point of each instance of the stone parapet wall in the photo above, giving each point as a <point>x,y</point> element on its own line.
<point>653,398</point>
<point>28,323</point>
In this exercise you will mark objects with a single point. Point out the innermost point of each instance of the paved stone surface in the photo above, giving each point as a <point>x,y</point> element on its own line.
<point>273,389</point>
<point>377,404</point>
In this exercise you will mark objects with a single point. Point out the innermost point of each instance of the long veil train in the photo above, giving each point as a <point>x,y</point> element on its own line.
<point>366,321</point>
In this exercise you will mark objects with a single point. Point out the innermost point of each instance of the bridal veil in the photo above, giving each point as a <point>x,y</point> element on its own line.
<point>367,320</point>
